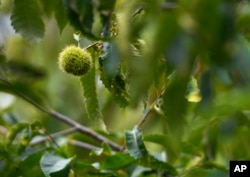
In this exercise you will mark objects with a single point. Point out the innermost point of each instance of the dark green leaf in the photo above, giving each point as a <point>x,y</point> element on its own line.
<point>111,75</point>
<point>111,59</point>
<point>156,164</point>
<point>26,19</point>
<point>60,15</point>
<point>21,71</point>
<point>135,144</point>
<point>20,89</point>
<point>49,6</point>
<point>138,150</point>
<point>117,161</point>
<point>206,173</point>
<point>80,14</point>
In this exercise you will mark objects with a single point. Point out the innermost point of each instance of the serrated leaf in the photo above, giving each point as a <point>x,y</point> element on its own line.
<point>26,19</point>
<point>51,163</point>
<point>88,84</point>
<point>138,150</point>
<point>135,144</point>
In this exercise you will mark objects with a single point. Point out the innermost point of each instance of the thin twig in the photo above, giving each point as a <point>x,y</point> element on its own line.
<point>164,6</point>
<point>84,145</point>
<point>38,140</point>
<point>52,139</point>
<point>81,128</point>
<point>143,119</point>
<point>151,108</point>
<point>92,45</point>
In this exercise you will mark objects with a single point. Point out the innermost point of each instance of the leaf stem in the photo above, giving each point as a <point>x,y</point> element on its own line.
<point>151,108</point>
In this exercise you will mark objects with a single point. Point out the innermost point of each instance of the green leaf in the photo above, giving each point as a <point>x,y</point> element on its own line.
<point>21,71</point>
<point>82,168</point>
<point>157,138</point>
<point>135,144</point>
<point>138,150</point>
<point>81,16</point>
<point>105,9</point>
<point>26,19</point>
<point>206,172</point>
<point>117,161</point>
<point>53,164</point>
<point>19,89</point>
<point>88,84</point>
<point>164,140</point>
<point>111,75</point>
<point>48,6</point>
<point>15,129</point>
<point>111,57</point>
<point>156,164</point>
<point>60,15</point>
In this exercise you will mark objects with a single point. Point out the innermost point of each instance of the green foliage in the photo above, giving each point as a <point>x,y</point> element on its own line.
<point>88,83</point>
<point>26,19</point>
<point>111,73</point>
<point>53,165</point>
<point>176,71</point>
<point>138,150</point>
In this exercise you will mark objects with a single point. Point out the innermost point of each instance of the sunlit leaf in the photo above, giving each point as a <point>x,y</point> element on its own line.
<point>88,82</point>
<point>52,165</point>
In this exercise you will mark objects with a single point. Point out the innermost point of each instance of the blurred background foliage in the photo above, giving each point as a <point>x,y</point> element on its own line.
<point>182,66</point>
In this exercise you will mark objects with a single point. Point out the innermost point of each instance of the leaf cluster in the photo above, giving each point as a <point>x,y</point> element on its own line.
<point>183,66</point>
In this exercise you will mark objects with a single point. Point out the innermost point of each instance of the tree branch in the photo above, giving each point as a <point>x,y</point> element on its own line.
<point>38,140</point>
<point>67,120</point>
<point>83,145</point>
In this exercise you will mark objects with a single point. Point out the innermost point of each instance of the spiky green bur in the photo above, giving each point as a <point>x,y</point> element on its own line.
<point>74,60</point>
